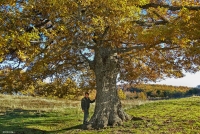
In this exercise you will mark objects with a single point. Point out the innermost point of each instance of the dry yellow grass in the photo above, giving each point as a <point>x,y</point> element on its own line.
<point>34,103</point>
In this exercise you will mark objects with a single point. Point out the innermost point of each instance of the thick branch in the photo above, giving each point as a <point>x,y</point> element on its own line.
<point>163,22</point>
<point>37,41</point>
<point>128,49</point>
<point>143,23</point>
<point>167,48</point>
<point>91,63</point>
<point>138,47</point>
<point>172,8</point>
<point>38,25</point>
<point>105,32</point>
<point>161,17</point>
<point>81,45</point>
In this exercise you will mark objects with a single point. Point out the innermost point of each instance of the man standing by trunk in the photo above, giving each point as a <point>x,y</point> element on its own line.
<point>85,105</point>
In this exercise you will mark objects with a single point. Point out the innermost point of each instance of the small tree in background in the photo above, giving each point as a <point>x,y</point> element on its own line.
<point>142,96</point>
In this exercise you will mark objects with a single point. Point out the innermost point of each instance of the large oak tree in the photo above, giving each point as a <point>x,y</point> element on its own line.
<point>99,40</point>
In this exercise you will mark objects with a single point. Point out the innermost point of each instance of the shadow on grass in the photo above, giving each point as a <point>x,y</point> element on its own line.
<point>19,130</point>
<point>136,118</point>
<point>11,121</point>
<point>75,128</point>
<point>20,121</point>
<point>21,113</point>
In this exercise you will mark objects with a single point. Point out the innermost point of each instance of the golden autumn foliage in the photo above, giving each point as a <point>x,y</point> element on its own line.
<point>121,94</point>
<point>151,39</point>
<point>142,96</point>
<point>67,90</point>
<point>92,94</point>
<point>156,91</point>
<point>152,87</point>
<point>131,95</point>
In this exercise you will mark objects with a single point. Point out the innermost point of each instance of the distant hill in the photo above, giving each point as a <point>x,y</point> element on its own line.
<point>152,87</point>
<point>198,86</point>
<point>158,90</point>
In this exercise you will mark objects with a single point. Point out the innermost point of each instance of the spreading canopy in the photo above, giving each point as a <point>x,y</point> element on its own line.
<point>149,39</point>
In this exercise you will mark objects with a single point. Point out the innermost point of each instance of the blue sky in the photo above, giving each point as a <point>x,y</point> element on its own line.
<point>190,80</point>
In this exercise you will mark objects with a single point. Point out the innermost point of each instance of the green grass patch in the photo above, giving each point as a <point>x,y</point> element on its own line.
<point>47,116</point>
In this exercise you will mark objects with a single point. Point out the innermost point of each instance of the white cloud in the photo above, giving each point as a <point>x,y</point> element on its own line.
<point>190,80</point>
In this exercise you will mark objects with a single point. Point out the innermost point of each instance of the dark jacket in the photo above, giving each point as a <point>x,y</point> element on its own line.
<point>85,103</point>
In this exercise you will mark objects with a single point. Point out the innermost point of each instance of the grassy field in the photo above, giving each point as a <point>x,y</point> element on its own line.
<point>29,115</point>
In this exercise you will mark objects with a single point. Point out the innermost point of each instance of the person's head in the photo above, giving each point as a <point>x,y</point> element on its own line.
<point>86,94</point>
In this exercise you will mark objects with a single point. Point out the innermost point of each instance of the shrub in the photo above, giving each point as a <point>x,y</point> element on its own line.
<point>142,96</point>
<point>131,95</point>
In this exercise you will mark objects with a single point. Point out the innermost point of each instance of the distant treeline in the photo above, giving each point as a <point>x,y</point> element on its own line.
<point>153,91</point>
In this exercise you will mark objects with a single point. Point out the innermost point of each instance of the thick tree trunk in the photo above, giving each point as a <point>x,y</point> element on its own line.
<point>108,108</point>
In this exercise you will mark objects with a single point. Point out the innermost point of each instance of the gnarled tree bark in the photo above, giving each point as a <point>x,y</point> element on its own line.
<point>108,108</point>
